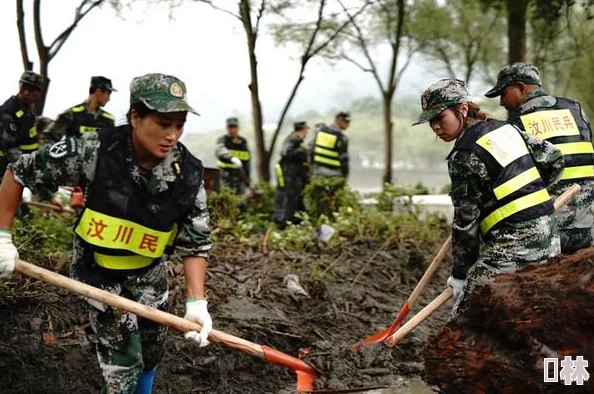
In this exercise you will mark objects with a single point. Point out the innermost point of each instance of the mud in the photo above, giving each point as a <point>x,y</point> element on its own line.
<point>246,298</point>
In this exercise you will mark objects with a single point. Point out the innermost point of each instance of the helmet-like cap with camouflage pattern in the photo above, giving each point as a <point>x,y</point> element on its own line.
<point>32,79</point>
<point>440,96</point>
<point>515,72</point>
<point>160,92</point>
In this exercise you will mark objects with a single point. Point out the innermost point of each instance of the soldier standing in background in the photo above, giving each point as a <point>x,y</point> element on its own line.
<point>292,174</point>
<point>88,115</point>
<point>330,148</point>
<point>18,133</point>
<point>233,158</point>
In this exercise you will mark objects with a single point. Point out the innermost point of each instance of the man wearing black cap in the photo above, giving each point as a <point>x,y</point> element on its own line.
<point>18,133</point>
<point>292,174</point>
<point>233,158</point>
<point>330,156</point>
<point>87,116</point>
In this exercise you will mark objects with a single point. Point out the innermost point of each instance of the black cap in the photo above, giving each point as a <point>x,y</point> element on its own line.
<point>102,83</point>
<point>232,121</point>
<point>344,115</point>
<point>299,125</point>
<point>32,79</point>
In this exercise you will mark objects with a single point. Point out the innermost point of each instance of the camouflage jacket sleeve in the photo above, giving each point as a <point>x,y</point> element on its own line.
<point>344,156</point>
<point>60,126</point>
<point>467,173</point>
<point>221,151</point>
<point>69,162</point>
<point>9,137</point>
<point>194,236</point>
<point>548,158</point>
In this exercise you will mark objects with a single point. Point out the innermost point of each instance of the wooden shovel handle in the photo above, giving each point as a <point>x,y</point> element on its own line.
<point>422,315</point>
<point>147,312</point>
<point>567,195</point>
<point>441,254</point>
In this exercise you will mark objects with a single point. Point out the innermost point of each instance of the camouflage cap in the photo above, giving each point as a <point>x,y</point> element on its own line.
<point>32,79</point>
<point>440,96</point>
<point>160,92</point>
<point>232,121</point>
<point>515,72</point>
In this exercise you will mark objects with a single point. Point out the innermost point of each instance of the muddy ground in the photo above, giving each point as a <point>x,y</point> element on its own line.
<point>43,346</point>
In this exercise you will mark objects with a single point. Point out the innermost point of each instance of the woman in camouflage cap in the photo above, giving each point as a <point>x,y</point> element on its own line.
<point>144,199</point>
<point>503,214</point>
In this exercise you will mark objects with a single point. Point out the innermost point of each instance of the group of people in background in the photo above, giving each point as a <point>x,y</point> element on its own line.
<point>325,156</point>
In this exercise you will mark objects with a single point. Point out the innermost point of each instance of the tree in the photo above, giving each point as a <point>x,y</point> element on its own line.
<point>384,22</point>
<point>310,36</point>
<point>473,38</point>
<point>45,52</point>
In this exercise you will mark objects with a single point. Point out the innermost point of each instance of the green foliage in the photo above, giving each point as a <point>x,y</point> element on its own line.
<point>390,192</point>
<point>224,208</point>
<point>324,196</point>
<point>43,236</point>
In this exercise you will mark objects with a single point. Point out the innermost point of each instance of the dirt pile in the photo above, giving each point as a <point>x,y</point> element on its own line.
<point>499,342</point>
<point>247,298</point>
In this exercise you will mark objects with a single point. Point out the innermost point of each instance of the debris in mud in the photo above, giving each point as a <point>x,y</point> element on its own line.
<point>499,342</point>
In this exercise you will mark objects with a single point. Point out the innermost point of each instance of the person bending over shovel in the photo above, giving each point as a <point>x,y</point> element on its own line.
<point>145,198</point>
<point>503,215</point>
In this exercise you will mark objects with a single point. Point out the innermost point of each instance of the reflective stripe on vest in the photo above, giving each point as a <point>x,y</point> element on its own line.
<point>107,115</point>
<point>222,164</point>
<point>280,178</point>
<point>506,145</point>
<point>242,155</point>
<point>561,123</point>
<point>78,108</point>
<point>325,149</point>
<point>87,129</point>
<point>29,147</point>
<point>110,232</point>
<point>514,207</point>
<point>19,113</point>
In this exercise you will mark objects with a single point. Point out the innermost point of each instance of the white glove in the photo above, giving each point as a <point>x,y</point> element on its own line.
<point>236,162</point>
<point>196,311</point>
<point>8,255</point>
<point>456,285</point>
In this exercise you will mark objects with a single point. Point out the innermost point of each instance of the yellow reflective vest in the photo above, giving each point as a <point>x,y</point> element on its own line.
<point>564,127</point>
<point>519,192</point>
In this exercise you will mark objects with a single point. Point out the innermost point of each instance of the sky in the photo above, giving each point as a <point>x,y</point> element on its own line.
<point>203,47</point>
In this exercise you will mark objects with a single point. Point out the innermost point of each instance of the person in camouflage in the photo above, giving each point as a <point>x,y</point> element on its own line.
<point>292,175</point>
<point>145,199</point>
<point>562,122</point>
<point>18,133</point>
<point>87,116</point>
<point>234,159</point>
<point>503,215</point>
<point>329,148</point>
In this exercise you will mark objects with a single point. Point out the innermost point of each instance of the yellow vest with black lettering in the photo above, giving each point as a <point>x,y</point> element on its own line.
<point>326,147</point>
<point>519,193</point>
<point>236,149</point>
<point>84,122</point>
<point>564,126</point>
<point>125,226</point>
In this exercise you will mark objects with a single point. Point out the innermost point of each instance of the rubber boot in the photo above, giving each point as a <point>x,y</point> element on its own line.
<point>145,382</point>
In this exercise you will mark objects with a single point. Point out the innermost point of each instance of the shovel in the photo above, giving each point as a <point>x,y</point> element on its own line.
<point>306,374</point>
<point>448,293</point>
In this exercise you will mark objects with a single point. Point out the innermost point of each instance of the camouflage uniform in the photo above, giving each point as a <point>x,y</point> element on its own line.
<point>512,244</point>
<point>18,133</point>
<point>126,345</point>
<point>292,173</point>
<point>576,218</point>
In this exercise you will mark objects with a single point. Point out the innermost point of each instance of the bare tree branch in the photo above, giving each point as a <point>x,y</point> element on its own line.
<point>259,16</point>
<point>210,3</point>
<point>41,48</point>
<point>27,64</point>
<point>59,41</point>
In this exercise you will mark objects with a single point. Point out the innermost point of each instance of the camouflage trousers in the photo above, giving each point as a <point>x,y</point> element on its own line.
<point>232,179</point>
<point>126,344</point>
<point>576,219</point>
<point>533,242</point>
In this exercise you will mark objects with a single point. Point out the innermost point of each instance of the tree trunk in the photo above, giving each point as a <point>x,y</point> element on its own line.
<point>516,30</point>
<point>43,68</point>
<point>388,127</point>
<point>262,156</point>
